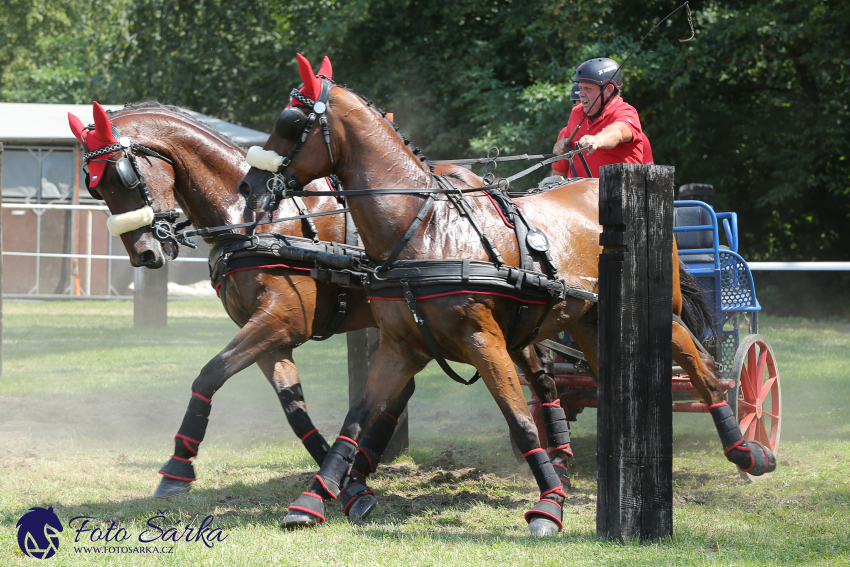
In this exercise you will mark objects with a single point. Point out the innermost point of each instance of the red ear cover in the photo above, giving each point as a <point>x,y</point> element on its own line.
<point>95,139</point>
<point>102,128</point>
<point>312,85</point>
<point>76,127</point>
<point>326,68</point>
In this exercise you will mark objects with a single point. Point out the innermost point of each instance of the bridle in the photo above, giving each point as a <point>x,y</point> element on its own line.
<point>163,225</point>
<point>295,125</point>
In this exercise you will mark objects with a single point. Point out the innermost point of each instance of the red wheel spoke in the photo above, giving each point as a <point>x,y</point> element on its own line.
<point>761,434</point>
<point>753,378</point>
<point>769,414</point>
<point>742,404</point>
<point>746,385</point>
<point>765,388</point>
<point>758,378</point>
<point>746,423</point>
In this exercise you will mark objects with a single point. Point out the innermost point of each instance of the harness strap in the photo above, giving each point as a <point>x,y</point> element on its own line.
<point>420,216</point>
<point>429,338</point>
<point>584,163</point>
<point>563,350</point>
<point>302,211</point>
<point>464,208</point>
<point>530,338</point>
<point>340,316</point>
<point>521,214</point>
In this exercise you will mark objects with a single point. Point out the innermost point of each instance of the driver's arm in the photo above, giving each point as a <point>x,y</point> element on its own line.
<point>608,138</point>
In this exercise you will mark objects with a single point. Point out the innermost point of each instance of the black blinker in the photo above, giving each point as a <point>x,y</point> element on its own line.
<point>127,173</point>
<point>290,124</point>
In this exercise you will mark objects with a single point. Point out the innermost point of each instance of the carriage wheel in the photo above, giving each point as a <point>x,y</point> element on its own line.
<point>759,410</point>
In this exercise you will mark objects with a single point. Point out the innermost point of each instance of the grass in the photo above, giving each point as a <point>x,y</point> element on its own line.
<point>88,407</point>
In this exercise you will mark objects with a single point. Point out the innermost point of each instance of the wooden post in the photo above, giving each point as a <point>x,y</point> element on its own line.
<point>635,403</point>
<point>150,297</point>
<point>362,349</point>
<point>1,264</point>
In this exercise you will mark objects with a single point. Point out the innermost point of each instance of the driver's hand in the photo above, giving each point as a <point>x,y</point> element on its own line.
<point>589,141</point>
<point>560,147</point>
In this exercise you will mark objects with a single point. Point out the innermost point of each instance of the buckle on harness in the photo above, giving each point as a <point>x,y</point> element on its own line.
<point>411,301</point>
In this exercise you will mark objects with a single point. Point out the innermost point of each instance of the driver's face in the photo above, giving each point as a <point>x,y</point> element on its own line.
<point>588,94</point>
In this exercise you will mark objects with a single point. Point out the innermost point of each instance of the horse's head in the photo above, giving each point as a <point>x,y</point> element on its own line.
<point>301,147</point>
<point>134,181</point>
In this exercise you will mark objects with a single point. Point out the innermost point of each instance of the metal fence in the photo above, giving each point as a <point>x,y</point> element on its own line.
<point>72,254</point>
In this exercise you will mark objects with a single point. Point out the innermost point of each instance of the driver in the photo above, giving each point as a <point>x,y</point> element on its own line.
<point>612,129</point>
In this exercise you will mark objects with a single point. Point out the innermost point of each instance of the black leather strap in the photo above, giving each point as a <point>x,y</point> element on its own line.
<point>465,210</point>
<point>302,210</point>
<point>429,338</point>
<point>420,216</point>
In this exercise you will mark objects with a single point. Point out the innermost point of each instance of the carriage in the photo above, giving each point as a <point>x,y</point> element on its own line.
<point>745,358</point>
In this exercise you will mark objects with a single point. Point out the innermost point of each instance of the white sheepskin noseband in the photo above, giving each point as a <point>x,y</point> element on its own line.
<point>125,222</point>
<point>267,160</point>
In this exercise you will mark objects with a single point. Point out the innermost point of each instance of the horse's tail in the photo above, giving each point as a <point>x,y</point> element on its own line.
<point>696,312</point>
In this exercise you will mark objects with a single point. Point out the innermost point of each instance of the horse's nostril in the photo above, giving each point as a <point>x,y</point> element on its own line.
<point>244,189</point>
<point>147,257</point>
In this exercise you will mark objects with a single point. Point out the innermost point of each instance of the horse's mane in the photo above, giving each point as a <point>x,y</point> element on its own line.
<point>417,151</point>
<point>155,105</point>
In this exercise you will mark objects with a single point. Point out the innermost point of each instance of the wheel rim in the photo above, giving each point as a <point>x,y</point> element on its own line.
<point>759,393</point>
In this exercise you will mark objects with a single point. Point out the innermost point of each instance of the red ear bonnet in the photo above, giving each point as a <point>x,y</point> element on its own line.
<point>326,68</point>
<point>312,85</point>
<point>100,137</point>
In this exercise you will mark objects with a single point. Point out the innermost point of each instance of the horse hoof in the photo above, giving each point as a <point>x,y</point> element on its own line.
<point>542,527</point>
<point>764,461</point>
<point>361,508</point>
<point>297,519</point>
<point>169,487</point>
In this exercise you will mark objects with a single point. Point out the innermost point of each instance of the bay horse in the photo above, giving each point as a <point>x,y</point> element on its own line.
<point>277,305</point>
<point>346,136</point>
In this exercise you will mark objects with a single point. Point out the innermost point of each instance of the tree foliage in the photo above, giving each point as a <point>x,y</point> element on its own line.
<point>756,104</point>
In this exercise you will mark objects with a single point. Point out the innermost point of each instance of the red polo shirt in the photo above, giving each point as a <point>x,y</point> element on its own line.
<point>647,151</point>
<point>626,152</point>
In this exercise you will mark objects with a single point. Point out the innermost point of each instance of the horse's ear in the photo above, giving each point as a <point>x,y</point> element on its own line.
<point>102,124</point>
<point>76,127</point>
<point>326,68</point>
<point>312,85</point>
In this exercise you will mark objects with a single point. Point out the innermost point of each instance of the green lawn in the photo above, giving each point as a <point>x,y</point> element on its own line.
<point>89,406</point>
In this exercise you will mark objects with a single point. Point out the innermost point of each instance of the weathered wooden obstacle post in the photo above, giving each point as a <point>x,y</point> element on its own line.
<point>150,297</point>
<point>1,267</point>
<point>635,404</point>
<point>362,349</point>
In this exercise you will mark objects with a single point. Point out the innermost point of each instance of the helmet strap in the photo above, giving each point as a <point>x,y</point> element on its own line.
<point>604,101</point>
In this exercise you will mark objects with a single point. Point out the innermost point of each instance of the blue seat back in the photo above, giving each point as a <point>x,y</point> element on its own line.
<point>693,216</point>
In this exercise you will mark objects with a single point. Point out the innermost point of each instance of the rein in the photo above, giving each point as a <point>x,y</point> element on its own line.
<point>278,186</point>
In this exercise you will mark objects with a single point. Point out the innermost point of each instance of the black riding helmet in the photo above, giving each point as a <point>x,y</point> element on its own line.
<point>574,93</point>
<point>601,72</point>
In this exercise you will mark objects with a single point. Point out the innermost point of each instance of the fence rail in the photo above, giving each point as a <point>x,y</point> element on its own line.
<point>84,236</point>
<point>800,266</point>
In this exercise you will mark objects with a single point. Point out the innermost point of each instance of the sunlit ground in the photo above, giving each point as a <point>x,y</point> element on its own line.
<point>89,406</point>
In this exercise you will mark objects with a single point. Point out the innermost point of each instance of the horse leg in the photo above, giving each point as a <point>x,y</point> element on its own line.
<point>281,372</point>
<point>357,499</point>
<point>487,352</point>
<point>393,370</point>
<point>750,457</point>
<point>252,342</point>
<point>539,370</point>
